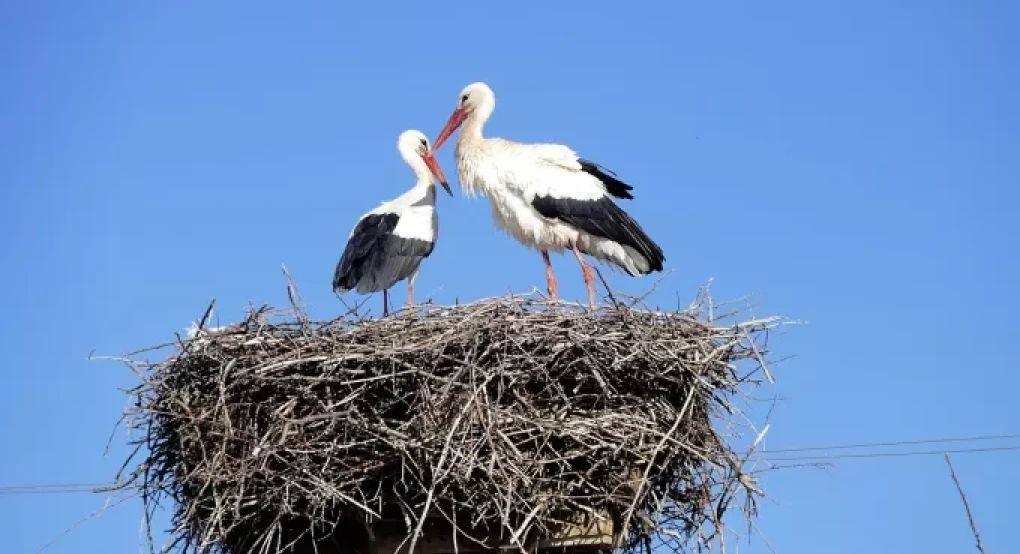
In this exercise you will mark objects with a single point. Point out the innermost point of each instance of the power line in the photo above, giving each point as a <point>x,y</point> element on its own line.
<point>895,454</point>
<point>896,443</point>
<point>90,488</point>
<point>47,491</point>
<point>56,488</point>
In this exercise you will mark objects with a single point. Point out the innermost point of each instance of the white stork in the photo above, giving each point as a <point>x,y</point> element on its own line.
<point>546,196</point>
<point>388,243</point>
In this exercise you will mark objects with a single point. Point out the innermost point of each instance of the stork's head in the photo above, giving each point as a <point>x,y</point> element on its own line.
<point>476,98</point>
<point>414,144</point>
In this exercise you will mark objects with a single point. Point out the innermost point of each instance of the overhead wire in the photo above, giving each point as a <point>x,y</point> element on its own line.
<point>90,488</point>
<point>894,443</point>
<point>56,488</point>
<point>821,458</point>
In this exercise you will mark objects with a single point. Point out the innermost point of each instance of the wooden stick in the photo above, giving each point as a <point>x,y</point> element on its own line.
<point>966,505</point>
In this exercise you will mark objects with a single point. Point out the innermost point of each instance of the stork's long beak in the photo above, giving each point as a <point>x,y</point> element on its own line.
<point>430,161</point>
<point>458,117</point>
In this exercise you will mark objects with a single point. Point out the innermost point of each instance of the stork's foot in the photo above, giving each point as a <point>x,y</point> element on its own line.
<point>553,292</point>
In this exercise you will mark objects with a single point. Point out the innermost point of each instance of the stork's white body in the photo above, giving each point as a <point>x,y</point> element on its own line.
<point>417,221</point>
<point>388,244</point>
<point>547,197</point>
<point>511,175</point>
<point>416,209</point>
<point>419,218</point>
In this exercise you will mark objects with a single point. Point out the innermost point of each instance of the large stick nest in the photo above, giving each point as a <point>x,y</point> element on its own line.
<point>504,416</point>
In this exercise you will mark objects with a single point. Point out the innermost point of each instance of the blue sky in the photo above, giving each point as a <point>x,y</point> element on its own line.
<point>854,164</point>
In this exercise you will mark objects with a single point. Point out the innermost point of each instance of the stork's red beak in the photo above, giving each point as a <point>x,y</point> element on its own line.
<point>430,161</point>
<point>458,117</point>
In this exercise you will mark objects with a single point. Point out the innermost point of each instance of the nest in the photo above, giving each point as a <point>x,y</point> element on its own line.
<point>507,419</point>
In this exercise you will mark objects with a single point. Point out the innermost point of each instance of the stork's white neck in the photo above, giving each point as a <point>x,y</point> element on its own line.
<point>413,159</point>
<point>475,122</point>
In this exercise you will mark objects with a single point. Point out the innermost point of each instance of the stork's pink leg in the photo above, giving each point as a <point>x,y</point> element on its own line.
<point>589,277</point>
<point>385,303</point>
<point>410,293</point>
<point>550,277</point>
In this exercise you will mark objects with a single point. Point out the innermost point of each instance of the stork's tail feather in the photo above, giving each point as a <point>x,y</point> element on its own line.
<point>618,226</point>
<point>340,281</point>
<point>613,185</point>
<point>634,236</point>
<point>347,274</point>
<point>642,244</point>
<point>649,250</point>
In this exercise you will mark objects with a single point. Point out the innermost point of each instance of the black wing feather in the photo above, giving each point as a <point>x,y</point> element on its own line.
<point>613,185</point>
<point>602,218</point>
<point>375,259</point>
<point>393,260</point>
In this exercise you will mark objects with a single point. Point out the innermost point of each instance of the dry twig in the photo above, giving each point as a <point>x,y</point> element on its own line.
<point>966,505</point>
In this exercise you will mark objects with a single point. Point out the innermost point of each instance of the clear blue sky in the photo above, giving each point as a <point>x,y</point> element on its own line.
<point>856,164</point>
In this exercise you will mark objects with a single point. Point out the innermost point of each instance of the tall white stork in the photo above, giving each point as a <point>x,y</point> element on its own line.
<point>388,243</point>
<point>546,196</point>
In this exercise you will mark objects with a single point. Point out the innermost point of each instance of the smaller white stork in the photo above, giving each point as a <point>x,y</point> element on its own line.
<point>547,197</point>
<point>388,243</point>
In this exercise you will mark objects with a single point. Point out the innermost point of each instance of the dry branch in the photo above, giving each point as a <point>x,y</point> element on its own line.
<point>966,505</point>
<point>504,416</point>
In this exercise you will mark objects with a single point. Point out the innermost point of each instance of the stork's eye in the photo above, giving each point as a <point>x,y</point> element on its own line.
<point>463,99</point>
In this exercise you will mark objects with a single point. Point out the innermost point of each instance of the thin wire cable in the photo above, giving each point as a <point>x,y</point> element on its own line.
<point>895,443</point>
<point>53,486</point>
<point>56,488</point>
<point>80,488</point>
<point>895,454</point>
<point>47,491</point>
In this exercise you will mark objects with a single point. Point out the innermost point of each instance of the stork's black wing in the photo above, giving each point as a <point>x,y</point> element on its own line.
<point>602,218</point>
<point>367,236</point>
<point>375,258</point>
<point>613,185</point>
